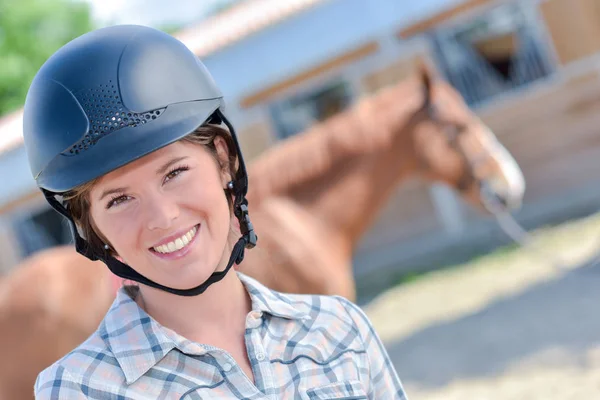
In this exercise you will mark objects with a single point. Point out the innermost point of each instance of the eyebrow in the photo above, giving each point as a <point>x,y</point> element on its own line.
<point>159,171</point>
<point>166,166</point>
<point>111,191</point>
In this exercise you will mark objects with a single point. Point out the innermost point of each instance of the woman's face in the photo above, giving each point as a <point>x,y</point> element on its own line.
<point>166,214</point>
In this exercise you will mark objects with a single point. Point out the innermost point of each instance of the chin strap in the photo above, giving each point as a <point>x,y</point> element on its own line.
<point>125,271</point>
<point>239,187</point>
<point>122,270</point>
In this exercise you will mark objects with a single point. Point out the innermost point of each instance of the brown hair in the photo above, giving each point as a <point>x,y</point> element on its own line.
<point>78,201</point>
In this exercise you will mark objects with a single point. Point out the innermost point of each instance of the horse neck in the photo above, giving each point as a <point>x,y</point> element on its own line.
<point>344,170</point>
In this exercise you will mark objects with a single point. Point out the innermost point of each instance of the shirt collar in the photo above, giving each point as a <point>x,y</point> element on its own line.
<point>273,303</point>
<point>139,342</point>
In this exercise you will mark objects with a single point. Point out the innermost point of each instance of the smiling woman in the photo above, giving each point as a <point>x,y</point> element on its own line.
<point>153,184</point>
<point>107,208</point>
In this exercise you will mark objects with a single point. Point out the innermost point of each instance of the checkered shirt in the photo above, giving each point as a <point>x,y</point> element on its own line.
<point>299,347</point>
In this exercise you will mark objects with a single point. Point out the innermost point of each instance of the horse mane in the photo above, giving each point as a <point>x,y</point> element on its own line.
<point>364,128</point>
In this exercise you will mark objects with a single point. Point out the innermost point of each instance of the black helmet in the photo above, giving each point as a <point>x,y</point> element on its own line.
<point>110,97</point>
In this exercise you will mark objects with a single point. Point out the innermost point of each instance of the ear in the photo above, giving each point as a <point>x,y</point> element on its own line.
<point>223,155</point>
<point>426,77</point>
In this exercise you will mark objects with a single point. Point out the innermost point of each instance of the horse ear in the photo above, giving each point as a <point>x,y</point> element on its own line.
<point>426,76</point>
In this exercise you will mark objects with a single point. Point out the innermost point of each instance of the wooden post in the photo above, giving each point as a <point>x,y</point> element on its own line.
<point>448,208</point>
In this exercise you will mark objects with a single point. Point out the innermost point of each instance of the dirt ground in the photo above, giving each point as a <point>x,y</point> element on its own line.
<point>510,325</point>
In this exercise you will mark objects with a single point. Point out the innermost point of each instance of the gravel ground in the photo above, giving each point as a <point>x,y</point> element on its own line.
<point>507,326</point>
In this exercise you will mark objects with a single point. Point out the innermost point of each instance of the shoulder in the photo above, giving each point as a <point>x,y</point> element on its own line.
<point>71,376</point>
<point>330,311</point>
<point>319,305</point>
<point>56,381</point>
<point>331,332</point>
<point>335,306</point>
<point>333,313</point>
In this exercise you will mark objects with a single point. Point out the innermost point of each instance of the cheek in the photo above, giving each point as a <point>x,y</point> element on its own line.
<point>211,202</point>
<point>437,152</point>
<point>204,198</point>
<point>118,228</point>
<point>443,162</point>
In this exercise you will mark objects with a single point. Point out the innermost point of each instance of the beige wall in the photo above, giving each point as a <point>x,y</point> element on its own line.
<point>255,138</point>
<point>392,73</point>
<point>574,26</point>
<point>410,213</point>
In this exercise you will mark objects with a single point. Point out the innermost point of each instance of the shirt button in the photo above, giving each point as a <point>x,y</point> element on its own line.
<point>227,367</point>
<point>260,356</point>
<point>254,319</point>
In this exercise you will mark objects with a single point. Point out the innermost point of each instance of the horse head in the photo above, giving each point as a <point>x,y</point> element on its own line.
<point>452,145</point>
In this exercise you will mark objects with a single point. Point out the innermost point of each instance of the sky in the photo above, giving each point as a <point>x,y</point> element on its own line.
<point>150,12</point>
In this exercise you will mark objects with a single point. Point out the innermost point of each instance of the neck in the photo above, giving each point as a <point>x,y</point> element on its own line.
<point>221,308</point>
<point>356,160</point>
<point>364,188</point>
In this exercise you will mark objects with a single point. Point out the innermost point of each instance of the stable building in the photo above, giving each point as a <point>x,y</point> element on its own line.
<point>530,68</point>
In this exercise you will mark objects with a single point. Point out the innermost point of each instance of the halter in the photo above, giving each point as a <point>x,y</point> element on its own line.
<point>453,131</point>
<point>469,179</point>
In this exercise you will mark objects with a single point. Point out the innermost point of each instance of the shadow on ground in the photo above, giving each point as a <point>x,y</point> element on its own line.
<point>562,313</point>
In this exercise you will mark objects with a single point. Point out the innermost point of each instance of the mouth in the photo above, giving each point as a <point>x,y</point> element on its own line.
<point>177,247</point>
<point>495,202</point>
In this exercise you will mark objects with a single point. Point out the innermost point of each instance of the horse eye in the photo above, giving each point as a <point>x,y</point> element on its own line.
<point>453,131</point>
<point>433,111</point>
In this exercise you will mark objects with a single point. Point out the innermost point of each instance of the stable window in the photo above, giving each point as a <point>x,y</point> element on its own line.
<point>297,113</point>
<point>494,52</point>
<point>41,230</point>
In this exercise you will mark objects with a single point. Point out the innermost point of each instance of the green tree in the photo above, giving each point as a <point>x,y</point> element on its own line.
<point>30,31</point>
<point>222,6</point>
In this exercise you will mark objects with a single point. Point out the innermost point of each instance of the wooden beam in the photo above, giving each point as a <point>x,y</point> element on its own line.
<point>346,58</point>
<point>431,22</point>
<point>14,204</point>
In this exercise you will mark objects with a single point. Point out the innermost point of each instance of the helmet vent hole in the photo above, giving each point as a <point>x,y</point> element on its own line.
<point>107,114</point>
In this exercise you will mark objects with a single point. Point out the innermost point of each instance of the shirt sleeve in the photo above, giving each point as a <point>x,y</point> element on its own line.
<point>55,383</point>
<point>384,380</point>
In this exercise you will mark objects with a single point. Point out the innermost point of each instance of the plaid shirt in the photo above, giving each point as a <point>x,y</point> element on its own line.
<point>299,346</point>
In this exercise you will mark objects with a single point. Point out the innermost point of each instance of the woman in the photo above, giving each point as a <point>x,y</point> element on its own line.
<point>124,132</point>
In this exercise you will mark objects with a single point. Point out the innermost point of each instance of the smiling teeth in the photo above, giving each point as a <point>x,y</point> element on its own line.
<point>177,244</point>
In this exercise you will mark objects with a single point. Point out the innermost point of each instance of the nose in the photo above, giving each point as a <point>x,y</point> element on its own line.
<point>160,211</point>
<point>504,190</point>
<point>497,200</point>
<point>508,184</point>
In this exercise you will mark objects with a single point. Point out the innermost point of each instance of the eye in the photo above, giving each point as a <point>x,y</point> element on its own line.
<point>453,131</point>
<point>175,172</point>
<point>116,200</point>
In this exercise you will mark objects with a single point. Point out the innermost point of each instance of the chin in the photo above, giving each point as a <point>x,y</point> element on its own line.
<point>187,277</point>
<point>185,271</point>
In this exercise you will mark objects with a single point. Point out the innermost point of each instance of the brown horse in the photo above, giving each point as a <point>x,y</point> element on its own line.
<point>312,197</point>
<point>49,304</point>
